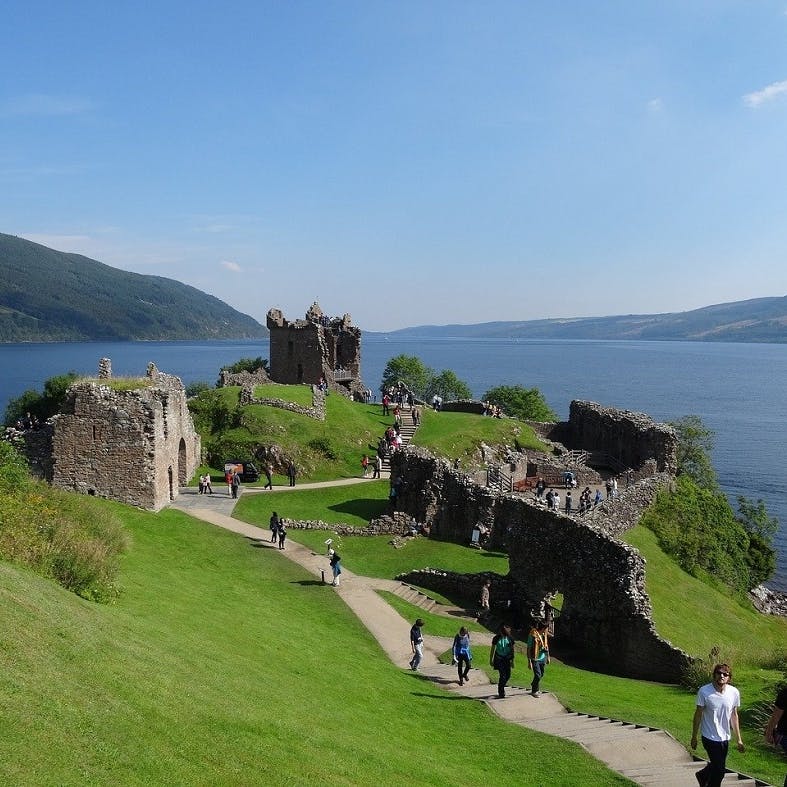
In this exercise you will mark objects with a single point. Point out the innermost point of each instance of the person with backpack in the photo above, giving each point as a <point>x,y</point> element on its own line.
<point>501,658</point>
<point>462,654</point>
<point>274,526</point>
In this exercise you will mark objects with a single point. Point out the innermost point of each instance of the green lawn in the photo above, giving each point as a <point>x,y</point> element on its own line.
<point>297,394</point>
<point>453,435</point>
<point>223,663</point>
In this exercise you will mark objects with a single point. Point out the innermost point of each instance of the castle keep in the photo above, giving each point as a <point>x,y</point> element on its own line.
<point>136,445</point>
<point>315,348</point>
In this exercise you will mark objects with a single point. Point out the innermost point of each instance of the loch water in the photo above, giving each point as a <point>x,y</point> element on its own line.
<point>737,389</point>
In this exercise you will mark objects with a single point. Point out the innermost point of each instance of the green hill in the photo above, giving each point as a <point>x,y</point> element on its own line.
<point>48,295</point>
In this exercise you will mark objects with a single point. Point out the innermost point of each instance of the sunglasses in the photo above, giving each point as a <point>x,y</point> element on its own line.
<point>723,674</point>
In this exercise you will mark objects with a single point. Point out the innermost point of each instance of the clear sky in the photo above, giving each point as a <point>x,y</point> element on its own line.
<point>407,162</point>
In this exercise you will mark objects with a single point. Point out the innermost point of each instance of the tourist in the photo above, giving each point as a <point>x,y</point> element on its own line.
<point>550,499</point>
<point>336,568</point>
<point>208,487</point>
<point>568,502</point>
<point>416,644</point>
<point>201,489</point>
<point>538,654</point>
<point>501,658</point>
<point>540,487</point>
<point>597,498</point>
<point>556,500</point>
<point>715,717</point>
<point>274,526</point>
<point>378,466</point>
<point>282,533</point>
<point>291,473</point>
<point>228,481</point>
<point>235,485</point>
<point>268,470</point>
<point>484,600</point>
<point>462,654</point>
<point>365,465</point>
<point>385,403</point>
<point>615,488</point>
<point>608,487</point>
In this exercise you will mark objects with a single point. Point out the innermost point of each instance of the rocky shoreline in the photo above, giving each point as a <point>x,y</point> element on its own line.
<point>770,602</point>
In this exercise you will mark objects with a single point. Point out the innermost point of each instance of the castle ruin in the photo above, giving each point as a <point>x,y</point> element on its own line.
<point>314,349</point>
<point>133,443</point>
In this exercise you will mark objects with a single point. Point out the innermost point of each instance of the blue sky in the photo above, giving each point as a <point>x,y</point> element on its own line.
<point>407,162</point>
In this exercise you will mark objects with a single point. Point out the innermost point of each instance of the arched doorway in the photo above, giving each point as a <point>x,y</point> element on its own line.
<point>182,480</point>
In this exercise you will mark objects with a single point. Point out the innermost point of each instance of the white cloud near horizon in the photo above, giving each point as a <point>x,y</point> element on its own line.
<point>769,93</point>
<point>231,266</point>
<point>655,105</point>
<point>42,105</point>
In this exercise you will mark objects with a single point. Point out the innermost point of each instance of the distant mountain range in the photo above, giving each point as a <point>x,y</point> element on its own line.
<point>48,295</point>
<point>757,320</point>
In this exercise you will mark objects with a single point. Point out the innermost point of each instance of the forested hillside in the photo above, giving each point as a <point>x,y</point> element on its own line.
<point>48,295</point>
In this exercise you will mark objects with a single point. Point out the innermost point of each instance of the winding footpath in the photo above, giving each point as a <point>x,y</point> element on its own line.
<point>645,755</point>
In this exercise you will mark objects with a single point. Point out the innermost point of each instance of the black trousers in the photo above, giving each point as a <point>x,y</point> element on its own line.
<point>717,766</point>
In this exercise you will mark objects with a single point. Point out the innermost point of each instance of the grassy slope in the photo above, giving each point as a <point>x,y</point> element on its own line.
<point>352,429</point>
<point>223,663</point>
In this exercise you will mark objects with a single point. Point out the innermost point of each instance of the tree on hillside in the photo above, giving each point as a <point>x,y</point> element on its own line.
<point>247,365</point>
<point>411,371</point>
<point>528,404</point>
<point>448,386</point>
<point>695,443</point>
<point>42,405</point>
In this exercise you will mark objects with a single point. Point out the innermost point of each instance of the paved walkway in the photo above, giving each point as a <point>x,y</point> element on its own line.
<point>645,755</point>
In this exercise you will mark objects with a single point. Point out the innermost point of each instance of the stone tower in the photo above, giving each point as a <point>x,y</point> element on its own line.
<point>304,351</point>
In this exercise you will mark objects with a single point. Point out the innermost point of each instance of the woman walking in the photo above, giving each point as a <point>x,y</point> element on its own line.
<point>501,658</point>
<point>336,568</point>
<point>462,654</point>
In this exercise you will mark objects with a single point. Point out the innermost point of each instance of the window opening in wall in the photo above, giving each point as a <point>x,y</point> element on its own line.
<point>95,432</point>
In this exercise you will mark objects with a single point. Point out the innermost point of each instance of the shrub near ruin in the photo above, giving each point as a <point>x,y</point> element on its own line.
<point>70,539</point>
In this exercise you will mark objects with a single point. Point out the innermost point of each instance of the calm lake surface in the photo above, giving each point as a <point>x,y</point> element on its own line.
<point>737,389</point>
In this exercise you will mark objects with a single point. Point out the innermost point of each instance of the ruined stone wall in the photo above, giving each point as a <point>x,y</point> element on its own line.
<point>305,351</point>
<point>244,378</point>
<point>136,446</point>
<point>606,611</point>
<point>629,438</point>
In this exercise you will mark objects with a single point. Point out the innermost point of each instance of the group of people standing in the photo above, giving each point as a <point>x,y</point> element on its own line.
<point>278,530</point>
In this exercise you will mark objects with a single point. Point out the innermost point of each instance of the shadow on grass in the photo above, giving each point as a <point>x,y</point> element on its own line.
<point>363,508</point>
<point>310,582</point>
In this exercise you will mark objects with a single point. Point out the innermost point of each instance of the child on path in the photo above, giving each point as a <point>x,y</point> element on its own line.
<point>282,533</point>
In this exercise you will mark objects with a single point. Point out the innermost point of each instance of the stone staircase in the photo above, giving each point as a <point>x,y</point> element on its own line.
<point>416,597</point>
<point>406,431</point>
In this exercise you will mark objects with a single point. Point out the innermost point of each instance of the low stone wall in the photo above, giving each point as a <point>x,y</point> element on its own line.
<point>462,587</point>
<point>243,379</point>
<point>398,524</point>
<point>316,411</point>
<point>463,406</point>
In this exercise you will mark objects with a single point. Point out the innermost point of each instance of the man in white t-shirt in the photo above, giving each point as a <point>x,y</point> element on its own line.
<point>716,714</point>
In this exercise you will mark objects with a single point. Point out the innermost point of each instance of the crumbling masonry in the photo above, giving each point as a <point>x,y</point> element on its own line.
<point>314,349</point>
<point>134,445</point>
